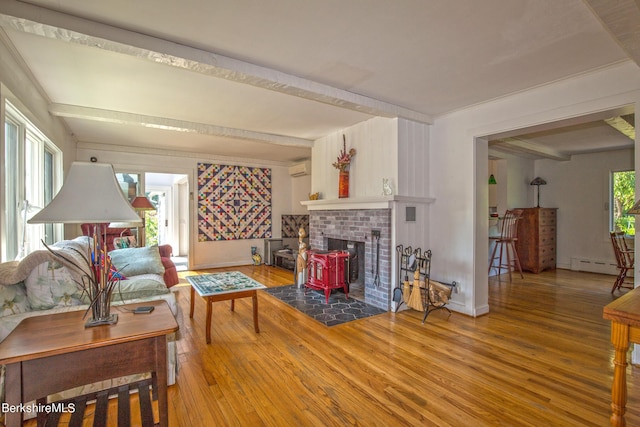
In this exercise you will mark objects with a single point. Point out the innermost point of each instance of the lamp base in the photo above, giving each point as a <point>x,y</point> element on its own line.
<point>111,320</point>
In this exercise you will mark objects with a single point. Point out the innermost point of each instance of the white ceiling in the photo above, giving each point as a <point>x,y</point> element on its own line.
<point>265,79</point>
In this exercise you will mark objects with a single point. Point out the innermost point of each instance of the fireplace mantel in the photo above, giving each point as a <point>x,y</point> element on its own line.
<point>379,202</point>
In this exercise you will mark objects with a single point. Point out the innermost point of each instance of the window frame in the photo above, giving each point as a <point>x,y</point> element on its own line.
<point>29,175</point>
<point>612,210</point>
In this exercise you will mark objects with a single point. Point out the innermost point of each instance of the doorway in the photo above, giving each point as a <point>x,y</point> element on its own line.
<point>169,223</point>
<point>577,168</point>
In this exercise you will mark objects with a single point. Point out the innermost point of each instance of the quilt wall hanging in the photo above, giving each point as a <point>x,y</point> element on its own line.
<point>234,202</point>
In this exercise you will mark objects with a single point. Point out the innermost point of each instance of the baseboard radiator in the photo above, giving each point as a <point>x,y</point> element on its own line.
<point>595,266</point>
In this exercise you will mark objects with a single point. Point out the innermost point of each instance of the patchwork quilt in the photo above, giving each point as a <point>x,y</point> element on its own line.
<point>234,202</point>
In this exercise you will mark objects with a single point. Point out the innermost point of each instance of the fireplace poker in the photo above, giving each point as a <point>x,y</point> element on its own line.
<point>376,279</point>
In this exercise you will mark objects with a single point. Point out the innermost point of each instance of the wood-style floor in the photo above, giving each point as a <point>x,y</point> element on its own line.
<point>542,357</point>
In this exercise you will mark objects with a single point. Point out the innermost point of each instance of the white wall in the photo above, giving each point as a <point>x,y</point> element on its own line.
<point>376,145</point>
<point>520,173</point>
<point>413,175</point>
<point>395,149</point>
<point>580,190</point>
<point>300,189</point>
<point>513,175</point>
<point>457,175</point>
<point>17,87</point>
<point>204,254</point>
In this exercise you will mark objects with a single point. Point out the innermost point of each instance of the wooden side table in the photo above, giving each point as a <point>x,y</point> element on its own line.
<point>624,314</point>
<point>225,286</point>
<point>42,345</point>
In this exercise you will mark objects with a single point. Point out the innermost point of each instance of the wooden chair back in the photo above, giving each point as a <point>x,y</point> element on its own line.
<point>624,256</point>
<point>509,229</point>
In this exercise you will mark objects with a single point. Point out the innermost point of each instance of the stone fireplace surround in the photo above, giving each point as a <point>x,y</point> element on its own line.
<point>357,225</point>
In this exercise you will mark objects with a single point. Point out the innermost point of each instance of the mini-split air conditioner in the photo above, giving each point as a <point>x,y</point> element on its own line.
<point>301,169</point>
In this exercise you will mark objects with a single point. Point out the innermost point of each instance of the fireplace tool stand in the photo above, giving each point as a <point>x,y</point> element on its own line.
<point>423,293</point>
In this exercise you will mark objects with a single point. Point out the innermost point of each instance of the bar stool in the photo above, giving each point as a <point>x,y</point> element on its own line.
<point>507,244</point>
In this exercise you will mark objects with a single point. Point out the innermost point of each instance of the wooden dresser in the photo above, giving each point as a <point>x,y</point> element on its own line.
<point>536,243</point>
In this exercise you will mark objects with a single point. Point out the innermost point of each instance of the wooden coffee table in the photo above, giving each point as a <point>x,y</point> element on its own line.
<point>51,353</point>
<point>225,286</point>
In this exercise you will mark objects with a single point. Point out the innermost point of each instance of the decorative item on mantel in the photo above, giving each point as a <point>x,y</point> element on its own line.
<point>387,187</point>
<point>342,164</point>
<point>314,196</point>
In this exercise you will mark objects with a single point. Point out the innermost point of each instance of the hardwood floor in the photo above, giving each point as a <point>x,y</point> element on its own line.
<point>542,357</point>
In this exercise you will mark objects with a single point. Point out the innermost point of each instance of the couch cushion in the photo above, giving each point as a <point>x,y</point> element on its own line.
<point>136,261</point>
<point>141,286</point>
<point>50,285</point>
<point>13,299</point>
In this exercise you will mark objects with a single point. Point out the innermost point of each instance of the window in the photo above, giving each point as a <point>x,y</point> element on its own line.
<point>33,170</point>
<point>622,198</point>
<point>129,184</point>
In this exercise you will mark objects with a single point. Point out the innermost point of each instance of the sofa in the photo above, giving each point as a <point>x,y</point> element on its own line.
<point>114,234</point>
<point>43,283</point>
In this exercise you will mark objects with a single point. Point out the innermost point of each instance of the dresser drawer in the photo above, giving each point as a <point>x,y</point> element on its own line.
<point>546,251</point>
<point>548,213</point>
<point>548,262</point>
<point>537,239</point>
<point>547,217</point>
<point>546,221</point>
<point>547,240</point>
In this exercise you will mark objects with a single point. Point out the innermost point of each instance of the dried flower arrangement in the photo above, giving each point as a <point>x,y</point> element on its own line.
<point>344,159</point>
<point>99,278</point>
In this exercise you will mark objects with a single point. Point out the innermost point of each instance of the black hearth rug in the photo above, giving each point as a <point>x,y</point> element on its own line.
<point>339,310</point>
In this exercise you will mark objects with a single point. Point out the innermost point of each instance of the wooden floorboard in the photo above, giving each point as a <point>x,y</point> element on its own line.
<point>542,356</point>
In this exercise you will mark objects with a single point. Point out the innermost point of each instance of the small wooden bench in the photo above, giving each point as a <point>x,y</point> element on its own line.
<point>101,398</point>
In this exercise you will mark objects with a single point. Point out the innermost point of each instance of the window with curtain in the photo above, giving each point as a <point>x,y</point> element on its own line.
<point>33,172</point>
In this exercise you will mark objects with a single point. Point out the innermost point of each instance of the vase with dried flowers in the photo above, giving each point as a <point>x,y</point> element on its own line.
<point>342,164</point>
<point>98,278</point>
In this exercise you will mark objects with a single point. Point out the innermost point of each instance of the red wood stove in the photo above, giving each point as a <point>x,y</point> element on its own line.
<point>326,271</point>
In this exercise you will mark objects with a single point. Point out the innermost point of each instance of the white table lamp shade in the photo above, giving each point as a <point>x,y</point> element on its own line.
<point>89,194</point>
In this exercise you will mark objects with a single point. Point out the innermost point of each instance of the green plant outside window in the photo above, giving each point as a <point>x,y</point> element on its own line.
<point>624,184</point>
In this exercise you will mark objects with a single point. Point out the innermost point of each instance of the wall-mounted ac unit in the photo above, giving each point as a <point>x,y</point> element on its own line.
<point>300,169</point>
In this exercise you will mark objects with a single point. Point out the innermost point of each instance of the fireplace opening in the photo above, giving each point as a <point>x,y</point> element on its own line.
<point>356,273</point>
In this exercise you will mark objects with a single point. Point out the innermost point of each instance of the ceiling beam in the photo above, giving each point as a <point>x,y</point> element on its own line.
<point>163,123</point>
<point>623,126</point>
<point>59,26</point>
<point>514,144</point>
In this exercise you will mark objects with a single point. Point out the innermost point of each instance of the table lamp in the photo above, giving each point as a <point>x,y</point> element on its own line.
<point>538,182</point>
<point>91,194</point>
<point>142,204</point>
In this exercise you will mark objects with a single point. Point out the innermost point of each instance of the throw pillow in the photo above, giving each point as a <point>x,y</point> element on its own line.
<point>142,286</point>
<point>135,261</point>
<point>13,299</point>
<point>124,242</point>
<point>50,285</point>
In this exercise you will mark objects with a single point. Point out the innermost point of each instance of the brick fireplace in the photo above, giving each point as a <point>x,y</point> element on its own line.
<point>358,225</point>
